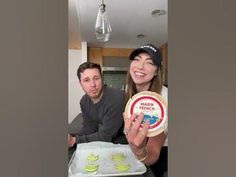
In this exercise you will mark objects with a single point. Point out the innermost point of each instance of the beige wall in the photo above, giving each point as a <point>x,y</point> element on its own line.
<point>75,58</point>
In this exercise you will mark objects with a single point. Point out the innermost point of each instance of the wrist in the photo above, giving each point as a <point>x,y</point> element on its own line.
<point>141,154</point>
<point>143,158</point>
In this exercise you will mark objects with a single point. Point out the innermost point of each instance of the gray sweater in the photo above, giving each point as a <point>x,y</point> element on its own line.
<point>103,121</point>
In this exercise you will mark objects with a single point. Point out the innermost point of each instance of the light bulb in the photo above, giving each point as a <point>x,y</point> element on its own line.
<point>102,26</point>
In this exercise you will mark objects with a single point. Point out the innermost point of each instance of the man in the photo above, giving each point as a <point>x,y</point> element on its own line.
<point>102,108</point>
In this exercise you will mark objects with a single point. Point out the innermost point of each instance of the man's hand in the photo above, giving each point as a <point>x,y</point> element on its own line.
<point>71,140</point>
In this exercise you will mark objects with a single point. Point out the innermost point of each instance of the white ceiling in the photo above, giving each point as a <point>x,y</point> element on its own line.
<point>127,17</point>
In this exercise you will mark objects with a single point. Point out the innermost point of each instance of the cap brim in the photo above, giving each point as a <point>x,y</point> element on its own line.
<point>138,51</point>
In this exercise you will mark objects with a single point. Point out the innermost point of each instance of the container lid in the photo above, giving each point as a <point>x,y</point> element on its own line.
<point>153,106</point>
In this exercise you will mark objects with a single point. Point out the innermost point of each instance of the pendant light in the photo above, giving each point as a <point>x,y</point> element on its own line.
<point>102,26</point>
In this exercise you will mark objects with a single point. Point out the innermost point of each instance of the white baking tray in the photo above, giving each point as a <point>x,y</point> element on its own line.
<point>105,162</point>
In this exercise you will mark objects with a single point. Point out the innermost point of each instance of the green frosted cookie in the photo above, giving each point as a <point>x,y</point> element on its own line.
<point>92,157</point>
<point>91,167</point>
<point>118,157</point>
<point>122,167</point>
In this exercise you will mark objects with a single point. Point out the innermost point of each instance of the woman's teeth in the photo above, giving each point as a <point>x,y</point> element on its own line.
<point>139,74</point>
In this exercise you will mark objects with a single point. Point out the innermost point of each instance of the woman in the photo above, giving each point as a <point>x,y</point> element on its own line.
<point>145,75</point>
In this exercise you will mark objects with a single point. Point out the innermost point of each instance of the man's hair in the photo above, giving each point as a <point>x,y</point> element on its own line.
<point>88,65</point>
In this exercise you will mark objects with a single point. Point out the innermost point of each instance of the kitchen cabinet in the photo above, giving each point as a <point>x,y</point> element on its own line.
<point>96,55</point>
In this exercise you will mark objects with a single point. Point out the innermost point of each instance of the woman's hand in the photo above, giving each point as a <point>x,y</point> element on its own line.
<point>136,136</point>
<point>145,149</point>
<point>71,140</point>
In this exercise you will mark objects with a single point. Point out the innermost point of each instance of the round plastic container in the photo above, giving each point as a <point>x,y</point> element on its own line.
<point>153,106</point>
